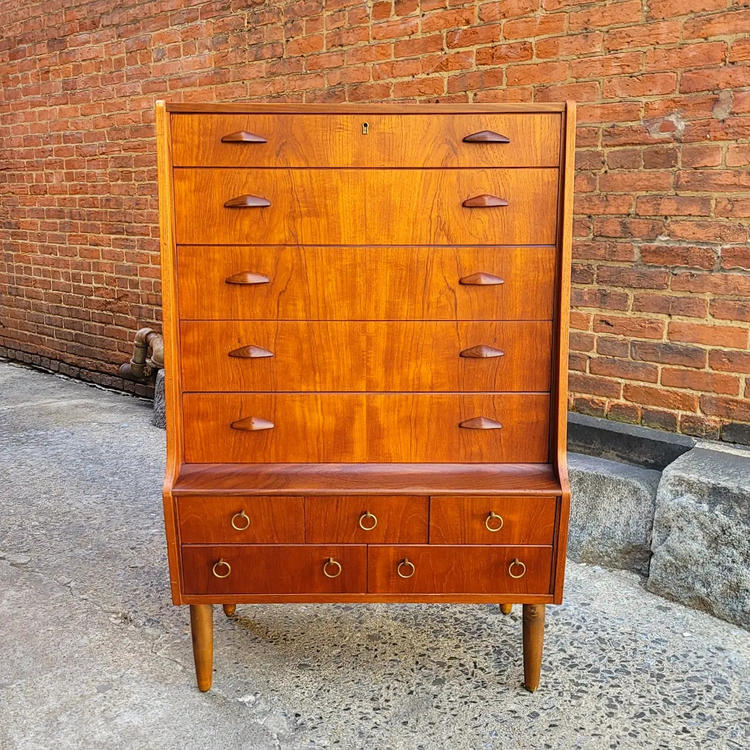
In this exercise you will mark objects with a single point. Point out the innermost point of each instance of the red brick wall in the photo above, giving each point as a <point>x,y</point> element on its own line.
<point>661,295</point>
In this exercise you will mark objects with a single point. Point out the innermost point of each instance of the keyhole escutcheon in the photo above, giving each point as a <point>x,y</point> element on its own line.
<point>365,128</point>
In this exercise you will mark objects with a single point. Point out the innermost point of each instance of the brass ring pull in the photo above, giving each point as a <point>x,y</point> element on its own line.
<point>221,563</point>
<point>337,567</point>
<point>409,565</point>
<point>370,518</point>
<point>493,522</point>
<point>516,563</point>
<point>240,521</point>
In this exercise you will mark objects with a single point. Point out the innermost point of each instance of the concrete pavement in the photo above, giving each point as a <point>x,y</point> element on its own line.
<point>93,654</point>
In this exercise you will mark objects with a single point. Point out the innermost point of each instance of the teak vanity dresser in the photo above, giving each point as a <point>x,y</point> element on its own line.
<point>366,323</point>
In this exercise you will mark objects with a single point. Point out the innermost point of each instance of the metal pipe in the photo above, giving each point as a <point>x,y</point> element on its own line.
<point>141,367</point>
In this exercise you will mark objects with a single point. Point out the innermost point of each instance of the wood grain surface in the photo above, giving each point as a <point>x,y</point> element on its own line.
<point>322,140</point>
<point>367,479</point>
<point>463,520</point>
<point>341,427</point>
<point>327,283</point>
<point>365,356</point>
<point>274,568</point>
<point>468,569</point>
<point>208,520</point>
<point>371,206</point>
<point>397,519</point>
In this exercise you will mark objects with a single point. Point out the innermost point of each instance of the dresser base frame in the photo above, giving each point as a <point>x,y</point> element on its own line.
<point>202,630</point>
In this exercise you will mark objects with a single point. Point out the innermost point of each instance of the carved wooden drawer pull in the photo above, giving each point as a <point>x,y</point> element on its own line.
<point>252,424</point>
<point>221,568</point>
<point>406,568</point>
<point>480,423</point>
<point>481,279</point>
<point>493,522</point>
<point>247,201</point>
<point>486,136</point>
<point>516,569</point>
<point>483,351</point>
<point>240,521</point>
<point>368,521</point>
<point>242,136</point>
<point>247,278</point>
<point>250,352</point>
<point>331,568</point>
<point>483,201</point>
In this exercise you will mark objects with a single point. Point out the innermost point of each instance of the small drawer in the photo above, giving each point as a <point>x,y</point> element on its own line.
<point>366,206</point>
<point>459,570</point>
<point>326,283</point>
<point>236,520</point>
<point>274,569</point>
<point>366,519</point>
<point>366,140</point>
<point>492,520</point>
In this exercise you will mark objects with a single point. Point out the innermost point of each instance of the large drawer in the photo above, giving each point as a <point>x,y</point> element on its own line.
<point>404,140</point>
<point>369,206</point>
<point>366,519</point>
<point>385,283</point>
<point>435,569</point>
<point>365,356</point>
<point>274,569</point>
<point>492,519</point>
<point>351,428</point>
<point>241,520</point>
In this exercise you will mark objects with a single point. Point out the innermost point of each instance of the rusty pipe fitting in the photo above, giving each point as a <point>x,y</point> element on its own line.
<point>141,367</point>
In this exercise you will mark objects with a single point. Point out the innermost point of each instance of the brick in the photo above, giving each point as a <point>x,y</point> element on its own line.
<point>700,155</point>
<point>600,15</point>
<point>502,54</point>
<point>633,278</point>
<point>644,35</point>
<point>700,426</point>
<point>448,19</point>
<point>702,231</point>
<point>570,45</point>
<point>543,72</point>
<point>721,24</point>
<point>711,335</point>
<point>623,412</point>
<point>738,410</point>
<point>581,383</point>
<point>725,309</point>
<point>536,26</point>
<point>672,205</point>
<point>624,369</point>
<point>644,84</point>
<point>594,407</point>
<point>607,65</point>
<point>718,283</point>
<point>653,396</point>
<point>737,156</point>
<point>729,361</point>
<point>735,257</point>
<point>471,36</point>
<point>646,328</point>
<point>658,419</point>
<point>668,354</point>
<point>679,255</point>
<point>669,8</point>
<point>700,380</point>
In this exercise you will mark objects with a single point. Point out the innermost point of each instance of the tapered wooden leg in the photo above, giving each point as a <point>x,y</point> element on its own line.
<point>229,609</point>
<point>533,642</point>
<point>202,629</point>
<point>506,609</point>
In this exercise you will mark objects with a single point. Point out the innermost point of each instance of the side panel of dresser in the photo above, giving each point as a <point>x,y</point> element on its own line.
<point>559,395</point>
<point>172,386</point>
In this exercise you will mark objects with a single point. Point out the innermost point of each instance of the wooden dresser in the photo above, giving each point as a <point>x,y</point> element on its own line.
<point>366,323</point>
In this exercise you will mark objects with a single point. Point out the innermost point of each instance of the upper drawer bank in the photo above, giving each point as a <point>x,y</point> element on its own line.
<point>369,206</point>
<point>362,140</point>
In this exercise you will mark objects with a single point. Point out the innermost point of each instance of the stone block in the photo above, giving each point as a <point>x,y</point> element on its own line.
<point>612,512</point>
<point>159,418</point>
<point>701,538</point>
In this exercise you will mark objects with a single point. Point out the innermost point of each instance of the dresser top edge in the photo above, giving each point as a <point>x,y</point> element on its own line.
<point>364,108</point>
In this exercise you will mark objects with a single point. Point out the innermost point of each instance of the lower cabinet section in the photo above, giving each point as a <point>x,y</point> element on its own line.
<point>274,569</point>
<point>358,569</point>
<point>437,569</point>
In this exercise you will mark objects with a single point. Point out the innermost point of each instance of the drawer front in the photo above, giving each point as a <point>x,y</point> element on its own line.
<point>365,356</point>
<point>362,519</point>
<point>274,569</point>
<point>391,140</point>
<point>237,520</point>
<point>347,428</point>
<point>383,206</point>
<point>459,570</point>
<point>492,520</point>
<point>323,283</point>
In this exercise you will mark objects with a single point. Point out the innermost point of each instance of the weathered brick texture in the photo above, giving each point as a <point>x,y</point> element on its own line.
<point>661,292</point>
